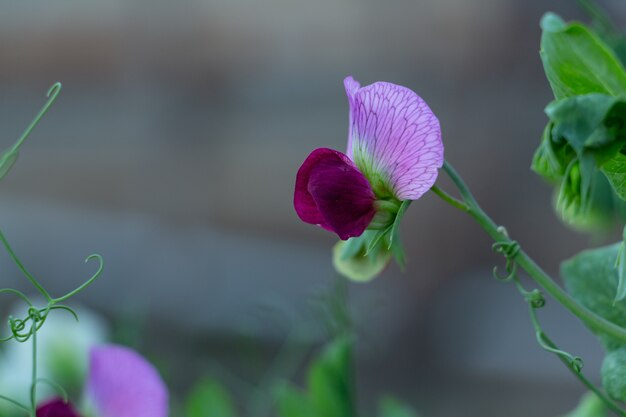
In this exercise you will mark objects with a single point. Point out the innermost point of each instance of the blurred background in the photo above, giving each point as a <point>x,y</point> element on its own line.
<point>172,151</point>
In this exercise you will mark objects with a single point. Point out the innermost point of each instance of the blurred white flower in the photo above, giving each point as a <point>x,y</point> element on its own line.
<point>63,353</point>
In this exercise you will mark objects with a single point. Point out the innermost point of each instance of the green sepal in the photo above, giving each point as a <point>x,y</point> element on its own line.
<point>590,405</point>
<point>209,398</point>
<point>592,279</point>
<point>395,244</point>
<point>614,374</point>
<point>363,258</point>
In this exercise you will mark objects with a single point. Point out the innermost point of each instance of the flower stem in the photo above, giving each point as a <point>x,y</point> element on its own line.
<point>33,386</point>
<point>594,322</point>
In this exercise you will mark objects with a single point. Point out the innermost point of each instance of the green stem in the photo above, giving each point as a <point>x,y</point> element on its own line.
<point>594,322</point>
<point>449,199</point>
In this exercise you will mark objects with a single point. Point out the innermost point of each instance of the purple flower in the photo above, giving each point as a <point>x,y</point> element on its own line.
<point>121,383</point>
<point>394,153</point>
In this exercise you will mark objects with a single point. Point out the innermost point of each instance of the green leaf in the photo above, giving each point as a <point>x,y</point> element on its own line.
<point>592,279</point>
<point>7,160</point>
<point>329,380</point>
<point>614,374</point>
<point>584,137</point>
<point>590,405</point>
<point>209,399</point>
<point>329,385</point>
<point>620,264</point>
<point>615,172</point>
<point>293,403</point>
<point>577,61</point>
<point>357,260</point>
<point>605,28</point>
<point>580,120</point>
<point>390,407</point>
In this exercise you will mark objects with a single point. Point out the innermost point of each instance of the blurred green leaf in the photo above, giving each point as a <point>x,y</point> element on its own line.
<point>614,374</point>
<point>329,385</point>
<point>293,403</point>
<point>592,279</point>
<point>209,399</point>
<point>329,380</point>
<point>620,264</point>
<point>605,28</point>
<point>590,405</point>
<point>390,407</point>
<point>577,61</point>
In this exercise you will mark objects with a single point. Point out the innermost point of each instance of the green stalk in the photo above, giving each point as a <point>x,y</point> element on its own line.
<point>594,322</point>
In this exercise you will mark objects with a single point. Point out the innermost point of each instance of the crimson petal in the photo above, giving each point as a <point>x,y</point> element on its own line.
<point>331,192</point>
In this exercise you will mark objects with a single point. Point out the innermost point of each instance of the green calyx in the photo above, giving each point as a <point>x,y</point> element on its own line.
<point>362,258</point>
<point>386,213</point>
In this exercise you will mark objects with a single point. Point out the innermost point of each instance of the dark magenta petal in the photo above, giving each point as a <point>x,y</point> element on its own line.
<point>56,408</point>
<point>303,201</point>
<point>331,192</point>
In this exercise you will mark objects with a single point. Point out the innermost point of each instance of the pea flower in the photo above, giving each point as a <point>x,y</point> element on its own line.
<point>120,383</point>
<point>394,152</point>
<point>393,156</point>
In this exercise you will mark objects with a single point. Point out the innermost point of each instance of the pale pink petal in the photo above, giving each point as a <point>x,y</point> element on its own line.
<point>394,136</point>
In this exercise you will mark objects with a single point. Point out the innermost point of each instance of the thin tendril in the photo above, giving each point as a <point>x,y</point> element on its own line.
<point>24,329</point>
<point>593,321</point>
<point>53,92</point>
<point>65,308</point>
<point>18,293</point>
<point>88,282</point>
<point>575,364</point>
<point>55,386</point>
<point>15,403</point>
<point>509,249</point>
<point>23,269</point>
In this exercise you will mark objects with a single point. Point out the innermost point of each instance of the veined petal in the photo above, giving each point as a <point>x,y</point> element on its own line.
<point>331,192</point>
<point>394,138</point>
<point>56,407</point>
<point>122,383</point>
